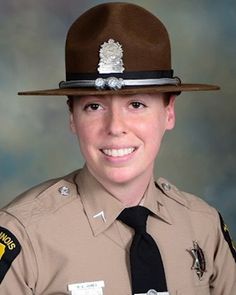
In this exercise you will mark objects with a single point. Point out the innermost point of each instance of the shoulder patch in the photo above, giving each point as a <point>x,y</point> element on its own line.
<point>9,249</point>
<point>227,236</point>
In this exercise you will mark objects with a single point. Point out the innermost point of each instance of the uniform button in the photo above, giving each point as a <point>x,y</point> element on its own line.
<point>166,186</point>
<point>152,292</point>
<point>64,191</point>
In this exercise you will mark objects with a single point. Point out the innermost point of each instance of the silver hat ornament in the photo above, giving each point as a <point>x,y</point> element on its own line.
<point>111,54</point>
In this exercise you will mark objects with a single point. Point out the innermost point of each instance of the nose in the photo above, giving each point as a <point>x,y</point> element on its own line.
<point>116,123</point>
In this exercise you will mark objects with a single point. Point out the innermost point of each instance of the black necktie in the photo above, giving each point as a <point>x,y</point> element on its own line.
<point>147,271</point>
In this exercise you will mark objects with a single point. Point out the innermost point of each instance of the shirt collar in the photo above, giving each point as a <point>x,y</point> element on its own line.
<point>154,200</point>
<point>102,208</point>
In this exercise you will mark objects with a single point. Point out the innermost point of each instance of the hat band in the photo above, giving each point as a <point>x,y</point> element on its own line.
<point>124,75</point>
<point>119,80</point>
<point>117,83</point>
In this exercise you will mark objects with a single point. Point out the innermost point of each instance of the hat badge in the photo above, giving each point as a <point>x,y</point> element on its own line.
<point>110,54</point>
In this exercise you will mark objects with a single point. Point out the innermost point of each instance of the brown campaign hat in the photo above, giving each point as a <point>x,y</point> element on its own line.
<point>118,48</point>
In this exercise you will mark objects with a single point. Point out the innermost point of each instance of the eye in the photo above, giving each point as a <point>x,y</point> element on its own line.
<point>137,105</point>
<point>93,107</point>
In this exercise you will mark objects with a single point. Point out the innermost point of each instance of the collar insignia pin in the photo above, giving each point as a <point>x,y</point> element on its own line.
<point>111,54</point>
<point>100,214</point>
<point>199,263</point>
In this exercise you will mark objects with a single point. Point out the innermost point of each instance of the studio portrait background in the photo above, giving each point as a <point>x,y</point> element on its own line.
<point>199,155</point>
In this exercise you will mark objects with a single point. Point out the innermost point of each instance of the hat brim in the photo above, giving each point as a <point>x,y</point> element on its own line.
<point>123,91</point>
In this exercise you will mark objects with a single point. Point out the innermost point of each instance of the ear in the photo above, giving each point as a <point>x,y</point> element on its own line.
<point>170,113</point>
<point>72,124</point>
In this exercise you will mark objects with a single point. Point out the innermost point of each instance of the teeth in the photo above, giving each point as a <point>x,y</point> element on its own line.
<point>118,153</point>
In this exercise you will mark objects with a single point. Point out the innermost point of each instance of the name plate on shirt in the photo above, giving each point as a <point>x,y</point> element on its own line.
<point>88,288</point>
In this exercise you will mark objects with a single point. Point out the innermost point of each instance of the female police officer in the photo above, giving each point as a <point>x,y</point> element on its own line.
<point>85,233</point>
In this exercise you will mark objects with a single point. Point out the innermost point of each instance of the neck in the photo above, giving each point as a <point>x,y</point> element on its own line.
<point>130,193</point>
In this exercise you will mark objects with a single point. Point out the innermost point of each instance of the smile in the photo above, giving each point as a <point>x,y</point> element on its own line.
<point>118,152</point>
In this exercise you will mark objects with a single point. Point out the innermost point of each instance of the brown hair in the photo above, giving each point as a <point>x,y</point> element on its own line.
<point>70,103</point>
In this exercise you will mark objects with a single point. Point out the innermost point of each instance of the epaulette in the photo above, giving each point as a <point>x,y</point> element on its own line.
<point>186,199</point>
<point>43,199</point>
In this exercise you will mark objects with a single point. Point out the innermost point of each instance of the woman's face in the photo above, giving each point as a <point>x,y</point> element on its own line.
<point>120,136</point>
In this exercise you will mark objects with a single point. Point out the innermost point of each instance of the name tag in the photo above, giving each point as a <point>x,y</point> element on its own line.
<point>88,288</point>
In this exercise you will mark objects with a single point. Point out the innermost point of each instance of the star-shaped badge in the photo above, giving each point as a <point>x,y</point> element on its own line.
<point>199,263</point>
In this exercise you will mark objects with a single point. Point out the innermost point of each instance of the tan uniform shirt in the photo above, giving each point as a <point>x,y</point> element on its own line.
<point>69,234</point>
